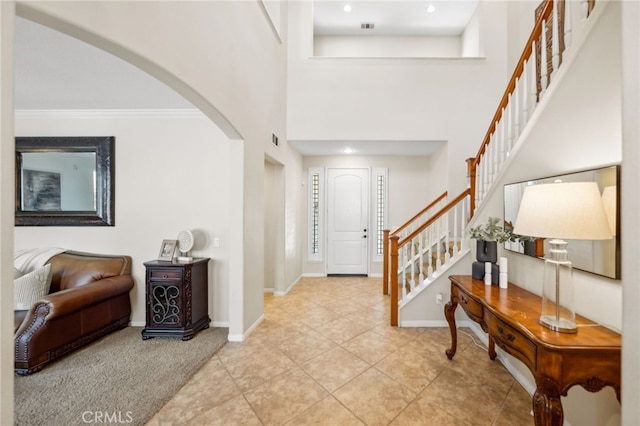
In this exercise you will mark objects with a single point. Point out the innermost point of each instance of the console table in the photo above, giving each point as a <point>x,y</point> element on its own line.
<point>558,361</point>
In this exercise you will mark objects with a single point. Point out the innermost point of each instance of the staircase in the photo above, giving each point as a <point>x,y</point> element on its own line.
<point>419,252</point>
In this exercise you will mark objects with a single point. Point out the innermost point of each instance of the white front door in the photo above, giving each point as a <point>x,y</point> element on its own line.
<point>348,218</point>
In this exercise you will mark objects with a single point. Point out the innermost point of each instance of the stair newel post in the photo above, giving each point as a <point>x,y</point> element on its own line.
<point>471,173</point>
<point>394,280</point>
<point>385,264</point>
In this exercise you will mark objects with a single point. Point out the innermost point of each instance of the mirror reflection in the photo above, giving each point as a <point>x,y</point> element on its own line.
<point>65,181</point>
<point>59,181</point>
<point>599,257</point>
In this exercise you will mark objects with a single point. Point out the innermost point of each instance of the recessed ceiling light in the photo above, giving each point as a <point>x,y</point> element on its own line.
<point>347,7</point>
<point>431,8</point>
<point>348,150</point>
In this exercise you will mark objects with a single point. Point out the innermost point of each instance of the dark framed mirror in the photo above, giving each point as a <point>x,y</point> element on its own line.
<point>598,257</point>
<point>65,181</point>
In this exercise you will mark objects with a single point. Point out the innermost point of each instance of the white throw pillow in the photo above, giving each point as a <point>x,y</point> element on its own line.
<point>31,287</point>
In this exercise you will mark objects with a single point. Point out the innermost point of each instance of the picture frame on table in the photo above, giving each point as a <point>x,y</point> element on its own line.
<point>167,249</point>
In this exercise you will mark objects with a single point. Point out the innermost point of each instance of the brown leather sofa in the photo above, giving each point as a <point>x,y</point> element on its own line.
<point>88,298</point>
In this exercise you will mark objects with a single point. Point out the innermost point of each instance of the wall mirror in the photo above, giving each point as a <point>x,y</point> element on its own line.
<point>598,257</point>
<point>65,181</point>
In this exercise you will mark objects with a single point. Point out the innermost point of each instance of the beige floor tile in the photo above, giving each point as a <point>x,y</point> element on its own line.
<point>343,329</point>
<point>371,346</point>
<point>262,365</point>
<point>421,413</point>
<point>374,397</point>
<point>209,387</point>
<point>333,335</point>
<point>412,369</point>
<point>474,363</point>
<point>306,346</point>
<point>284,396</point>
<point>450,391</point>
<point>334,368</point>
<point>328,412</point>
<point>235,412</point>
<point>516,410</point>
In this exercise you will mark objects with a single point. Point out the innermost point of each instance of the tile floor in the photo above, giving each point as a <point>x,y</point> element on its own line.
<point>325,355</point>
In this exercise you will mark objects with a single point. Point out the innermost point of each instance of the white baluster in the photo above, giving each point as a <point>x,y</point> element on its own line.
<point>439,248</point>
<point>517,109</point>
<point>568,24</point>
<point>533,98</point>
<point>525,93</point>
<point>404,272</point>
<point>555,40</point>
<point>421,269</point>
<point>429,231</point>
<point>455,230</point>
<point>447,255</point>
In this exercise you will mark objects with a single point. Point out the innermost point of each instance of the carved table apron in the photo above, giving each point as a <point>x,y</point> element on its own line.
<point>590,358</point>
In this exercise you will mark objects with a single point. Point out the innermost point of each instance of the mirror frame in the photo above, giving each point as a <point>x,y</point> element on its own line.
<point>104,148</point>
<point>617,262</point>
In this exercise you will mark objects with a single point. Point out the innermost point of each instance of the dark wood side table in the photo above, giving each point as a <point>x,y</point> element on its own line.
<point>558,361</point>
<point>177,295</point>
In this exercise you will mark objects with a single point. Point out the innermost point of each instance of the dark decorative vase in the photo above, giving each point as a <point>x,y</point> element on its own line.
<point>530,248</point>
<point>487,251</point>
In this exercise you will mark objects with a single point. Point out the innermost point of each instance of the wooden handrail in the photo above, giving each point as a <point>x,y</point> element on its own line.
<point>435,217</point>
<point>396,243</point>
<point>423,211</point>
<point>528,50</point>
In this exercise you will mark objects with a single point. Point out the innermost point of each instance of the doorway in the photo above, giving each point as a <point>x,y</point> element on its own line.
<point>348,219</point>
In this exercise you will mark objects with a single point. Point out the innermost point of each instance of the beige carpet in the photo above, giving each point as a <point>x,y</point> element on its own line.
<point>117,379</point>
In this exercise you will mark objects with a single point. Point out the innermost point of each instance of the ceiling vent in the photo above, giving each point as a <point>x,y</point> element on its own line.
<point>367,25</point>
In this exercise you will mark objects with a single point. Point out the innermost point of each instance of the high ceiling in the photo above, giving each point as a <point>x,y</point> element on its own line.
<point>54,71</point>
<point>393,17</point>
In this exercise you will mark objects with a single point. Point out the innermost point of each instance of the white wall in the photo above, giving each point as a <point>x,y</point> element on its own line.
<point>7,211</point>
<point>630,12</point>
<point>387,47</point>
<point>164,183</point>
<point>227,59</point>
<point>398,99</point>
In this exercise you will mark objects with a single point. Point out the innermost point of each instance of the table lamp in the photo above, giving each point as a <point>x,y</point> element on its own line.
<point>572,211</point>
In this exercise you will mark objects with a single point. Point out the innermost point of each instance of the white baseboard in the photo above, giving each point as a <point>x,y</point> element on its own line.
<point>285,292</point>
<point>137,324</point>
<point>222,324</point>
<point>269,290</point>
<point>314,275</point>
<point>242,337</point>
<point>424,323</point>
<point>375,275</point>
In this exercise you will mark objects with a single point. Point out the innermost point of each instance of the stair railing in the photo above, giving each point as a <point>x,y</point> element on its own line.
<point>404,256</point>
<point>524,91</point>
<point>405,229</point>
<point>419,258</point>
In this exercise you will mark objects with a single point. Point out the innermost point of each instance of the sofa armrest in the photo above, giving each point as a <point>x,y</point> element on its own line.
<point>67,301</point>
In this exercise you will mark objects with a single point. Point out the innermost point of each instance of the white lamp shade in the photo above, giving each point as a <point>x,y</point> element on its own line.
<point>567,210</point>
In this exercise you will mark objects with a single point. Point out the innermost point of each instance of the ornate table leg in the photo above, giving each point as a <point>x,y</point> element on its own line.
<point>492,348</point>
<point>449,313</point>
<point>547,407</point>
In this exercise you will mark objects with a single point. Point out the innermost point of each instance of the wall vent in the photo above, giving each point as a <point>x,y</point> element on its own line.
<point>367,25</point>
<point>274,139</point>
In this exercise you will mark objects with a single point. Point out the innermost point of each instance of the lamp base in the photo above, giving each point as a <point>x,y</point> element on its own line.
<point>561,325</point>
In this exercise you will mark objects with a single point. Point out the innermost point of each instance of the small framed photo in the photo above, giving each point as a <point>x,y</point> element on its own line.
<point>167,249</point>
